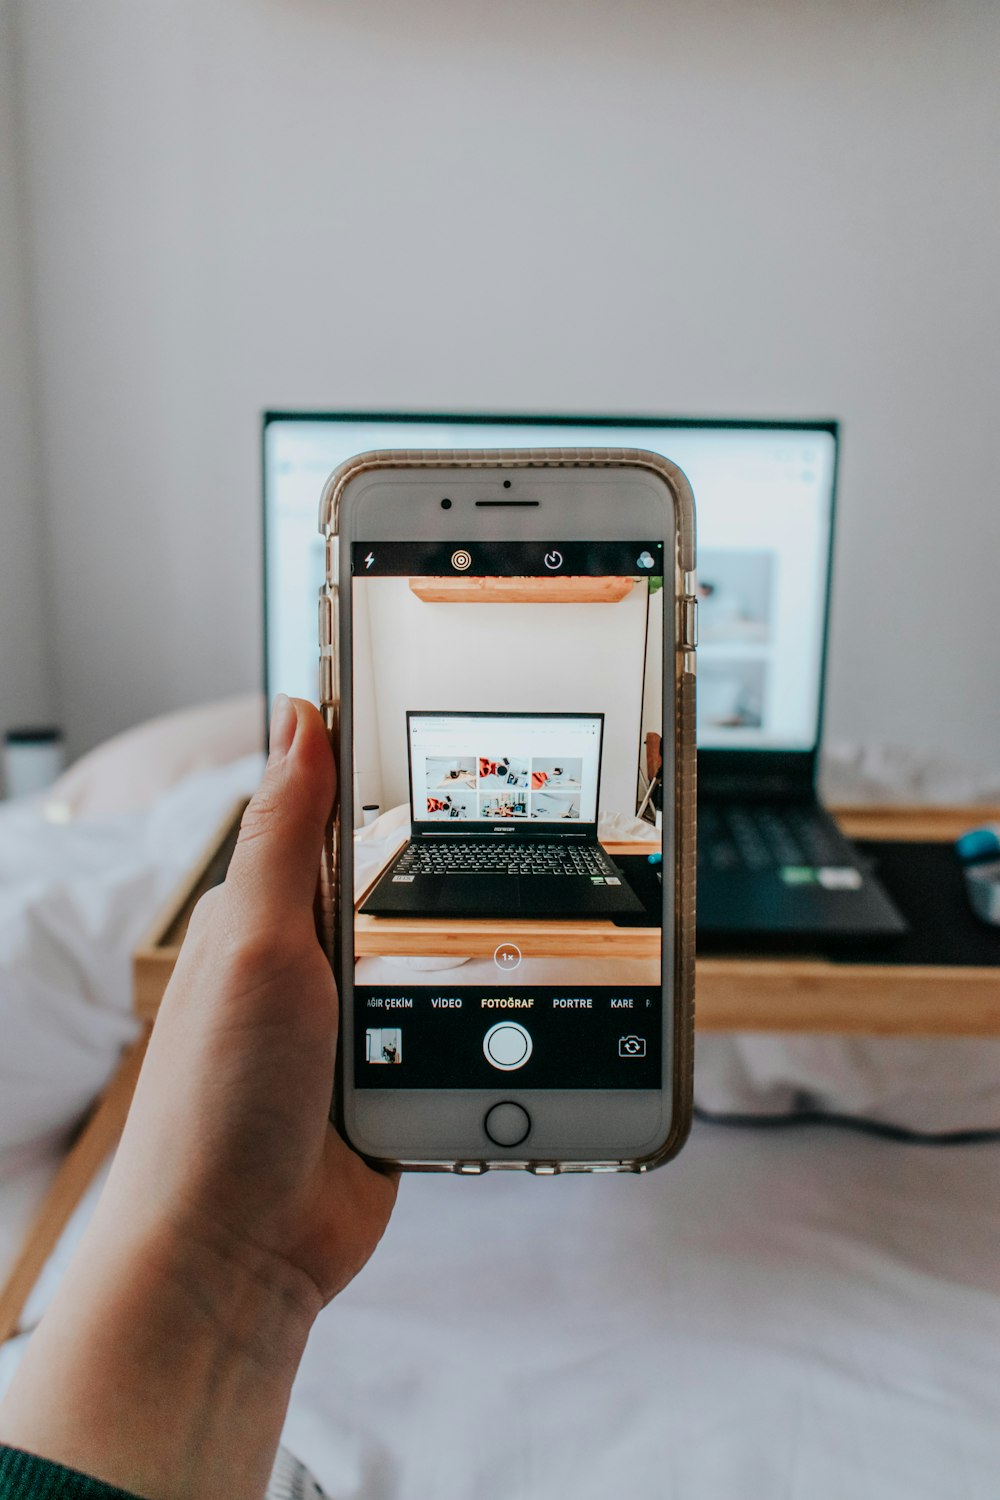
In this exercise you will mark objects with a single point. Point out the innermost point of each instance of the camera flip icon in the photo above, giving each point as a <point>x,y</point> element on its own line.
<point>631,1046</point>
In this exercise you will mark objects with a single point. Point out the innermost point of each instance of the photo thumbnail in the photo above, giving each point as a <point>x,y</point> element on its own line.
<point>555,805</point>
<point>735,596</point>
<point>502,771</point>
<point>456,804</point>
<point>511,805</point>
<point>731,694</point>
<point>383,1044</point>
<point>557,775</point>
<point>450,771</point>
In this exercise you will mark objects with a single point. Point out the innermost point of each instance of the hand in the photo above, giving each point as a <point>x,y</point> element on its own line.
<point>233,1210</point>
<point>232,1106</point>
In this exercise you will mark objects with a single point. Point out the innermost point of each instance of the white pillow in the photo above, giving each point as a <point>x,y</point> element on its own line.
<point>128,772</point>
<point>75,899</point>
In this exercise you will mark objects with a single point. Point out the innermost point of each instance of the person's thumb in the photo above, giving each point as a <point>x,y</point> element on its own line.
<point>273,872</point>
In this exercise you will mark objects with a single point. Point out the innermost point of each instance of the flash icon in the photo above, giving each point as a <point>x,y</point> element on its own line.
<point>369,559</point>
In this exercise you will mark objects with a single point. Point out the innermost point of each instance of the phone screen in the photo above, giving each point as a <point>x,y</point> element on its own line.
<point>507,713</point>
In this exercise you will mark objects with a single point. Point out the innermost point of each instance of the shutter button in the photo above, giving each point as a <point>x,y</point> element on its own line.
<point>507,1045</point>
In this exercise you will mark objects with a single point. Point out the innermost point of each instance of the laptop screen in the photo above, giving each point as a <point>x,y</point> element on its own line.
<point>472,768</point>
<point>764,496</point>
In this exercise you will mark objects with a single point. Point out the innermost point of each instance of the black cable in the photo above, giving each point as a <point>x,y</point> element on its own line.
<point>850,1122</point>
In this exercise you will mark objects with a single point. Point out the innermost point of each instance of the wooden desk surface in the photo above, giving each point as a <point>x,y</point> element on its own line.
<point>800,993</point>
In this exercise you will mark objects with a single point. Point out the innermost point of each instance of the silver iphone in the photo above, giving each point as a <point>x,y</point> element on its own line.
<point>507,657</point>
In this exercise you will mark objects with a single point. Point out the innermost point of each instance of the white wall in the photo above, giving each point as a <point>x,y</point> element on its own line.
<point>27,686</point>
<point>517,658</point>
<point>655,205</point>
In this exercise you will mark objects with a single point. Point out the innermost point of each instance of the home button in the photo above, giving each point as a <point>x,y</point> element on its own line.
<point>507,1124</point>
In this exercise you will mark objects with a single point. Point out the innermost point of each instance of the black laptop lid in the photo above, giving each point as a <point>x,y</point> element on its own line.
<point>527,774</point>
<point>756,775</point>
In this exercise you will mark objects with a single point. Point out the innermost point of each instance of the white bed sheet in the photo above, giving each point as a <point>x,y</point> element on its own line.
<point>795,1315</point>
<point>802,1314</point>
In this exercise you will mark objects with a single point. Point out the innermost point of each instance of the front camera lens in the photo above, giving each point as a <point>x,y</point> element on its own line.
<point>446,505</point>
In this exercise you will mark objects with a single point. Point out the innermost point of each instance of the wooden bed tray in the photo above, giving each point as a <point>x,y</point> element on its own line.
<point>786,993</point>
<point>744,992</point>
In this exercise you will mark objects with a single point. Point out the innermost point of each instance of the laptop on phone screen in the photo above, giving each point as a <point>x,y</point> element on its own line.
<point>503,816</point>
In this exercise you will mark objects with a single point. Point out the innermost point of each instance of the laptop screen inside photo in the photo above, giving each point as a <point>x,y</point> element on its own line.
<point>534,772</point>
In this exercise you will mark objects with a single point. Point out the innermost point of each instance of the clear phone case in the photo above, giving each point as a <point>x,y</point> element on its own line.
<point>684,797</point>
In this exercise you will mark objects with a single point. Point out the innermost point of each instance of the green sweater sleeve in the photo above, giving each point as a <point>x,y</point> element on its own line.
<point>24,1477</point>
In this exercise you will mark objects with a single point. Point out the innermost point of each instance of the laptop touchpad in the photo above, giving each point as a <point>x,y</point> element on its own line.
<point>492,895</point>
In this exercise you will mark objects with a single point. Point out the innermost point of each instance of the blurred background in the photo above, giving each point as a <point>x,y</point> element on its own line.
<point>657,206</point>
<point>710,208</point>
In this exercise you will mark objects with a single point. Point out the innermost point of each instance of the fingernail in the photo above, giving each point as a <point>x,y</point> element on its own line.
<point>284,721</point>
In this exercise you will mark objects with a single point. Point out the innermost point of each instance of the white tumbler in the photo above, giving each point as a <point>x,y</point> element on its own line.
<point>32,759</point>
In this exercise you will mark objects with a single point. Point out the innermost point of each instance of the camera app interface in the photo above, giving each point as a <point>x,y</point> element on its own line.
<point>507,716</point>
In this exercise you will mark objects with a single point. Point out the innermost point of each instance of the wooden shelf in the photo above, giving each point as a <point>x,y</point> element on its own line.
<point>572,590</point>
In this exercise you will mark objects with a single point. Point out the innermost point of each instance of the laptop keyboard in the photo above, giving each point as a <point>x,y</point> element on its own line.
<point>501,856</point>
<point>748,837</point>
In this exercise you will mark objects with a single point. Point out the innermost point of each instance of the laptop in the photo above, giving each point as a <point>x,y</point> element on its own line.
<point>503,810</point>
<point>771,861</point>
